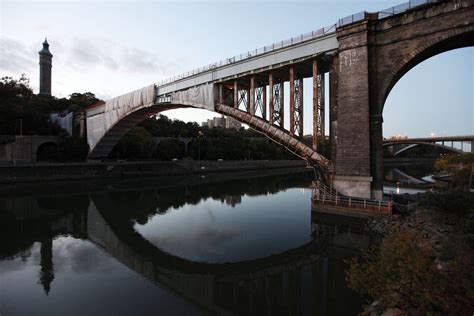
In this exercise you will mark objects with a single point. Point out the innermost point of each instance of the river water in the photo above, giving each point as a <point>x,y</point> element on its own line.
<point>233,244</point>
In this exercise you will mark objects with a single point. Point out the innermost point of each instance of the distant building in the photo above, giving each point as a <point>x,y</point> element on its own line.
<point>232,123</point>
<point>223,122</point>
<point>233,200</point>
<point>45,62</point>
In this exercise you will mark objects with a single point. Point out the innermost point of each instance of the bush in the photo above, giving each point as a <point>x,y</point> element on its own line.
<point>452,202</point>
<point>403,274</point>
<point>72,149</point>
<point>136,144</point>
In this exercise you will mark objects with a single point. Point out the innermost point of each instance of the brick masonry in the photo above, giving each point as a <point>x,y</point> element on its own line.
<point>373,55</point>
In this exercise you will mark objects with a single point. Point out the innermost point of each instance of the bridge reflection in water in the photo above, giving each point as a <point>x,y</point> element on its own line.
<point>308,279</point>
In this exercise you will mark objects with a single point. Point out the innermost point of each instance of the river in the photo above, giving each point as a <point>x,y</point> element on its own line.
<point>233,244</point>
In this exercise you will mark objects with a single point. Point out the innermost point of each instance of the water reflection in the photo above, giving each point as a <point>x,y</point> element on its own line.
<point>280,257</point>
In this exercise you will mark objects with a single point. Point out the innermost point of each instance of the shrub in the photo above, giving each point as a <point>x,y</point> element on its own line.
<point>72,149</point>
<point>404,274</point>
<point>452,202</point>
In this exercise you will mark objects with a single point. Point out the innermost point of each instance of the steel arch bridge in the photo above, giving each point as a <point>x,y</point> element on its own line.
<point>363,55</point>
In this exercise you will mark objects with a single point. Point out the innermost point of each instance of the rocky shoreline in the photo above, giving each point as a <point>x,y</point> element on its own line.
<point>425,223</point>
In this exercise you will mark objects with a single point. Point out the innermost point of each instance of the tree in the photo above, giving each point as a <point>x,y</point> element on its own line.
<point>136,144</point>
<point>72,149</point>
<point>460,166</point>
<point>21,108</point>
<point>404,274</point>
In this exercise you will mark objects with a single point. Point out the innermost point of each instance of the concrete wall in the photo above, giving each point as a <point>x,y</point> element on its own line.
<point>73,171</point>
<point>23,149</point>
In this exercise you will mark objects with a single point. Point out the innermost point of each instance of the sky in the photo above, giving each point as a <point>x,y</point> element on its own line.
<point>113,47</point>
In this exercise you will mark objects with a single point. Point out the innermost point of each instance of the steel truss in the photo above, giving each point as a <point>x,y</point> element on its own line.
<point>318,106</point>
<point>320,103</point>
<point>277,105</point>
<point>297,115</point>
<point>243,101</point>
<point>260,101</point>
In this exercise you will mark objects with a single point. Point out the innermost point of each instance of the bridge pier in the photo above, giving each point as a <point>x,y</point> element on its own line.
<point>352,165</point>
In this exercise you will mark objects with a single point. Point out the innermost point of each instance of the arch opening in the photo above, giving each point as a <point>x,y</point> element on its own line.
<point>430,96</point>
<point>47,152</point>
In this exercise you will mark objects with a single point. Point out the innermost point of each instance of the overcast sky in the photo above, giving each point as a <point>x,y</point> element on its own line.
<point>113,47</point>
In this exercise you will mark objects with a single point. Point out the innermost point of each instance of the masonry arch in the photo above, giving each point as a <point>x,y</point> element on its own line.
<point>453,39</point>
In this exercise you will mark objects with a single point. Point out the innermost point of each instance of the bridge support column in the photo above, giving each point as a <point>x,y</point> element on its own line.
<point>333,83</point>
<point>318,106</point>
<point>352,165</point>
<point>296,104</point>
<point>221,94</point>
<point>292,100</point>
<point>252,104</point>
<point>270,101</point>
<point>236,94</point>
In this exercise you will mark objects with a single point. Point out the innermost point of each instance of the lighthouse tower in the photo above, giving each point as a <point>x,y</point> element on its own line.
<point>45,62</point>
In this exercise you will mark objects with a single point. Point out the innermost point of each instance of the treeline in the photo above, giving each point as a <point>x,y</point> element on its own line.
<point>24,112</point>
<point>205,144</point>
<point>21,109</point>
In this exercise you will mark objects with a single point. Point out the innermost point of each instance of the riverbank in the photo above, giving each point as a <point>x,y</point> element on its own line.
<point>110,170</point>
<point>52,188</point>
<point>424,264</point>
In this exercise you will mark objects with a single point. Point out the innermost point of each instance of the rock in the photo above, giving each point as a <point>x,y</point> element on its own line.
<point>392,312</point>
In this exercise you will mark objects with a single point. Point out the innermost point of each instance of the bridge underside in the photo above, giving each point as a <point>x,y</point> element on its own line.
<point>111,138</point>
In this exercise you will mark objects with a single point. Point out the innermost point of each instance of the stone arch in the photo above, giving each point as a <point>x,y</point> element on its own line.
<point>450,40</point>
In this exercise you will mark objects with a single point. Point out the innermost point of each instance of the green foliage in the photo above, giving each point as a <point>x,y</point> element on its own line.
<point>403,274</point>
<point>19,106</point>
<point>162,126</point>
<point>170,149</point>
<point>72,149</point>
<point>136,144</point>
<point>206,143</point>
<point>459,166</point>
<point>451,202</point>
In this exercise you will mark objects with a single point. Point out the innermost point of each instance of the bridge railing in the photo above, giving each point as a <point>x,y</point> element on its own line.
<point>300,38</point>
<point>259,51</point>
<point>321,194</point>
<point>386,12</point>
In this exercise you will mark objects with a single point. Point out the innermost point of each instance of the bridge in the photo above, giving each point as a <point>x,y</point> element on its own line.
<point>364,56</point>
<point>446,143</point>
